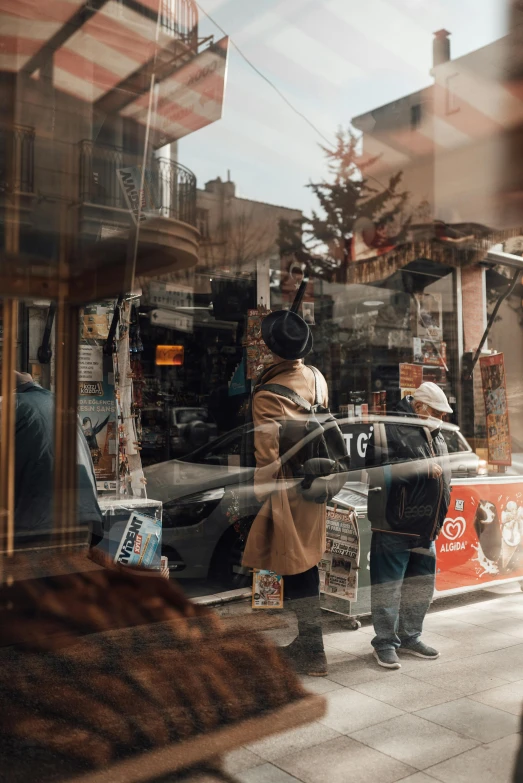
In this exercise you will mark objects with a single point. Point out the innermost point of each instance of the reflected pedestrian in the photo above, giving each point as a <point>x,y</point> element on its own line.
<point>403,553</point>
<point>288,535</point>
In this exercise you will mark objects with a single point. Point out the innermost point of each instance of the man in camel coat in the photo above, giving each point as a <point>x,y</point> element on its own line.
<point>288,535</point>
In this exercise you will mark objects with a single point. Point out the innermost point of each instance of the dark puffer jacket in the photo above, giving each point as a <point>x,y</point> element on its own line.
<point>417,504</point>
<point>34,466</point>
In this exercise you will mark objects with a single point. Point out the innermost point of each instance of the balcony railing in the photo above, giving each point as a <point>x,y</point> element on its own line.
<point>171,187</point>
<point>180,19</point>
<point>17,159</point>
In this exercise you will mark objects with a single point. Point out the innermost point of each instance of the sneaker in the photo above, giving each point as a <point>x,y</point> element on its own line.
<point>421,650</point>
<point>387,658</point>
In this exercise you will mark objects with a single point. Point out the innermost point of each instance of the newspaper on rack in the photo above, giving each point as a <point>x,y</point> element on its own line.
<point>340,562</point>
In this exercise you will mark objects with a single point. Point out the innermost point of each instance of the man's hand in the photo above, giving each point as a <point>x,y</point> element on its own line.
<point>435,470</point>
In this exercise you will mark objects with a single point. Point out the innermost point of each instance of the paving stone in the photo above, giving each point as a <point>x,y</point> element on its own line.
<point>406,693</point>
<point>463,683</point>
<point>505,697</point>
<point>302,738</point>
<point>241,759</point>
<point>358,670</point>
<point>320,684</point>
<point>477,721</point>
<point>492,763</point>
<point>349,711</point>
<point>266,773</point>
<point>342,760</point>
<point>414,741</point>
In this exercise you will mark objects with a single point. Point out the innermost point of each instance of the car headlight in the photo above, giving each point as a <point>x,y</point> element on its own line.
<point>191,509</point>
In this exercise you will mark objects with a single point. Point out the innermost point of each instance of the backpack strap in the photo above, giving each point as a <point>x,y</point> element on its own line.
<point>283,391</point>
<point>318,395</point>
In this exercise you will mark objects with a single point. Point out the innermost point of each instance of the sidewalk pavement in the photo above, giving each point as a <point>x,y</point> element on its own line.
<point>454,720</point>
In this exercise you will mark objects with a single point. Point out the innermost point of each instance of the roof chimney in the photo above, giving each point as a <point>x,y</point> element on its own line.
<point>440,48</point>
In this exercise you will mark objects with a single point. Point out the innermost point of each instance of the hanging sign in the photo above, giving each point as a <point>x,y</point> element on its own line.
<point>496,409</point>
<point>169,355</point>
<point>411,376</point>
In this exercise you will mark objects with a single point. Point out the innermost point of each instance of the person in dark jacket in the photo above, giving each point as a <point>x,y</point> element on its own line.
<point>34,467</point>
<point>403,553</point>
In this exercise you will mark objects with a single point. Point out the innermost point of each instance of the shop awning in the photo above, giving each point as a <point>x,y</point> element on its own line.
<point>454,246</point>
<point>188,100</point>
<point>104,52</point>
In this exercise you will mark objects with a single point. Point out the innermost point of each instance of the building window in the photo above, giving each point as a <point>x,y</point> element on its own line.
<point>452,98</point>
<point>415,116</point>
<point>202,222</point>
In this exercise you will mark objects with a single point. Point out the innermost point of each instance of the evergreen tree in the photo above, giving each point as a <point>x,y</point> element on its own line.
<point>346,196</point>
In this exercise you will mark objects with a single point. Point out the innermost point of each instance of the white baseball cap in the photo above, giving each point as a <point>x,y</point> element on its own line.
<point>431,394</point>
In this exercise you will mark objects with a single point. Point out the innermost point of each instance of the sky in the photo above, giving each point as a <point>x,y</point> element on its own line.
<point>333,60</point>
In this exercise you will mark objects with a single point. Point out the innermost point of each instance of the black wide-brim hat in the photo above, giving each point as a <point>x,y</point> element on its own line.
<point>287,335</point>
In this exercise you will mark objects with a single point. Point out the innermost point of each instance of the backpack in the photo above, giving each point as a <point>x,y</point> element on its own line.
<point>321,462</point>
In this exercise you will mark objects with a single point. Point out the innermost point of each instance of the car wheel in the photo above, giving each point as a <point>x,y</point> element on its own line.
<point>226,564</point>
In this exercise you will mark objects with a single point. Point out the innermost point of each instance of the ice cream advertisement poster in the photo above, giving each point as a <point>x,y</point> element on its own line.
<point>339,565</point>
<point>97,411</point>
<point>481,540</point>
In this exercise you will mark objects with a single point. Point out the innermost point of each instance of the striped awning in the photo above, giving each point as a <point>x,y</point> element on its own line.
<point>187,101</point>
<point>105,50</point>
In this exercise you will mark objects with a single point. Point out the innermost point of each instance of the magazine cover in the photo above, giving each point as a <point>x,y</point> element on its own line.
<point>267,590</point>
<point>97,411</point>
<point>339,565</point>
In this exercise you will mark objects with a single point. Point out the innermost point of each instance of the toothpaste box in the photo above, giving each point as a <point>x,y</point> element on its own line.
<point>132,531</point>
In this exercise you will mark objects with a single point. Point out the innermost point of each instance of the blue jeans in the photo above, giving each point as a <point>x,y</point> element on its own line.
<point>402,576</point>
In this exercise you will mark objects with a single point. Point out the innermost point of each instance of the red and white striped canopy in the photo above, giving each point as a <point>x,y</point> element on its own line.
<point>93,55</point>
<point>189,99</point>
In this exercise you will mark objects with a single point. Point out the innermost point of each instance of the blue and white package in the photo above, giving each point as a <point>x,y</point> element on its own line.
<point>140,542</point>
<point>132,531</point>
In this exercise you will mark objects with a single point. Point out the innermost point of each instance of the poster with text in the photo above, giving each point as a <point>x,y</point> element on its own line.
<point>429,315</point>
<point>411,376</point>
<point>97,411</point>
<point>496,409</point>
<point>340,562</point>
<point>429,352</point>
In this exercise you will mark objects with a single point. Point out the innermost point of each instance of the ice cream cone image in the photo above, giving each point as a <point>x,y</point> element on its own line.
<point>487,527</point>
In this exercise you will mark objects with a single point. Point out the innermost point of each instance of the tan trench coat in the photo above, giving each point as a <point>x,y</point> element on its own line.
<point>288,534</point>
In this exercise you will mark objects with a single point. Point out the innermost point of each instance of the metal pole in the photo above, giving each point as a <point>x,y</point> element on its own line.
<point>507,292</point>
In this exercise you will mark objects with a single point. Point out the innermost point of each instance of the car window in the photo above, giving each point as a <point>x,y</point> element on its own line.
<point>455,441</point>
<point>220,450</point>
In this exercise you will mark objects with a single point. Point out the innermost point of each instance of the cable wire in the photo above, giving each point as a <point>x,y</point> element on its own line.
<point>266,79</point>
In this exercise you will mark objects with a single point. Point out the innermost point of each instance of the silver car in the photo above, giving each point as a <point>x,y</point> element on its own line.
<point>204,493</point>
